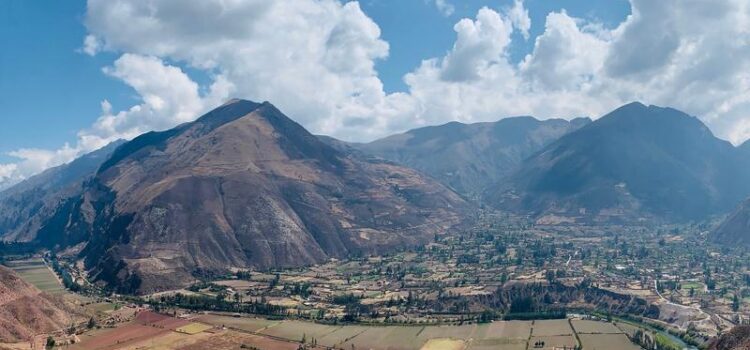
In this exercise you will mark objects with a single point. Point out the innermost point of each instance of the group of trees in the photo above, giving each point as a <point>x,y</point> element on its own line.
<point>65,276</point>
<point>200,302</point>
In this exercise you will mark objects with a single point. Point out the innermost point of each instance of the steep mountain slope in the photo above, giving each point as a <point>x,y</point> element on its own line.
<point>26,311</point>
<point>25,207</point>
<point>245,186</point>
<point>635,162</point>
<point>735,229</point>
<point>468,157</point>
<point>736,339</point>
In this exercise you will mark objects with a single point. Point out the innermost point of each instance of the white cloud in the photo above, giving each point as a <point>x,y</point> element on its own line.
<point>169,97</point>
<point>694,56</point>
<point>479,44</point>
<point>520,18</point>
<point>564,56</point>
<point>445,7</point>
<point>7,171</point>
<point>32,161</point>
<point>315,60</point>
<point>91,45</point>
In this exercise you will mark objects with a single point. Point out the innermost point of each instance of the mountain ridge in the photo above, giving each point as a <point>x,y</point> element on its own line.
<point>469,157</point>
<point>635,160</point>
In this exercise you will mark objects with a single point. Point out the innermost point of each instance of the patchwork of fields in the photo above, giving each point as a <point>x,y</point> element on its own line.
<point>155,332</point>
<point>152,331</point>
<point>504,335</point>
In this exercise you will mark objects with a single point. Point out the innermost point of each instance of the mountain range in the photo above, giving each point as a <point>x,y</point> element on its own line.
<point>244,186</point>
<point>26,209</point>
<point>471,157</point>
<point>636,162</point>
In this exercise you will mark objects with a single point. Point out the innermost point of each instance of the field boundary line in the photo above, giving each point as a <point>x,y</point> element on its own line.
<point>575,333</point>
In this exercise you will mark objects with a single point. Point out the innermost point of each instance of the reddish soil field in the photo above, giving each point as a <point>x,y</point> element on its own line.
<point>117,337</point>
<point>146,325</point>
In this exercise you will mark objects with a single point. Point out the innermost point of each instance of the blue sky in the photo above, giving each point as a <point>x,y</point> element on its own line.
<point>75,75</point>
<point>49,89</point>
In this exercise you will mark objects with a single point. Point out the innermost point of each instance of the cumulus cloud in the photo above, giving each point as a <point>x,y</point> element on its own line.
<point>315,59</point>
<point>479,44</point>
<point>169,97</point>
<point>519,15</point>
<point>445,7</point>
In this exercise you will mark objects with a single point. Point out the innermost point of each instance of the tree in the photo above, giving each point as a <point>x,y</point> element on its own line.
<point>736,302</point>
<point>91,323</point>
<point>50,342</point>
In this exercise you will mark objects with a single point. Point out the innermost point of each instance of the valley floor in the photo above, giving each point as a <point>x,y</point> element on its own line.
<point>665,280</point>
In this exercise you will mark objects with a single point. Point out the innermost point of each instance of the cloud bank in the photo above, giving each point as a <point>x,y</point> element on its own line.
<point>315,60</point>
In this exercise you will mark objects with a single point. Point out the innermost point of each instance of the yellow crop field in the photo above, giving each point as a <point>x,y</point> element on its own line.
<point>194,328</point>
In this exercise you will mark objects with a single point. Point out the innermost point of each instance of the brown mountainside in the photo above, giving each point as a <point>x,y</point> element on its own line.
<point>735,229</point>
<point>26,311</point>
<point>245,186</point>
<point>470,157</point>
<point>736,339</point>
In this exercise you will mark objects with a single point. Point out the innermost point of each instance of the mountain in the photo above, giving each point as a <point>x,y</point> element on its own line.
<point>469,157</point>
<point>636,162</point>
<point>735,229</point>
<point>25,311</point>
<point>242,186</point>
<point>738,338</point>
<point>27,206</point>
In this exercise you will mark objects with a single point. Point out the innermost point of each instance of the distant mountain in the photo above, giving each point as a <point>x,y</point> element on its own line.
<point>469,157</point>
<point>735,229</point>
<point>243,186</point>
<point>745,150</point>
<point>25,311</point>
<point>27,206</point>
<point>635,162</point>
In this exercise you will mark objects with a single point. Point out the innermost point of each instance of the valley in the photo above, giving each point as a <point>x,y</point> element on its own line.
<point>241,228</point>
<point>505,272</point>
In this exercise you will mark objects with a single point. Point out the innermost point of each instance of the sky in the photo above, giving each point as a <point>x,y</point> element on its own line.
<point>76,75</point>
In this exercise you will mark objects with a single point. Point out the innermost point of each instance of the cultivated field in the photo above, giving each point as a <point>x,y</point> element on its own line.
<point>242,323</point>
<point>37,273</point>
<point>607,342</point>
<point>193,328</point>
<point>444,344</point>
<point>152,331</point>
<point>544,328</point>
<point>594,327</point>
<point>554,341</point>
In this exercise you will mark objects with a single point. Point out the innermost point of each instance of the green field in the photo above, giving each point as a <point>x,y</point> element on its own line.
<point>698,286</point>
<point>37,273</point>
